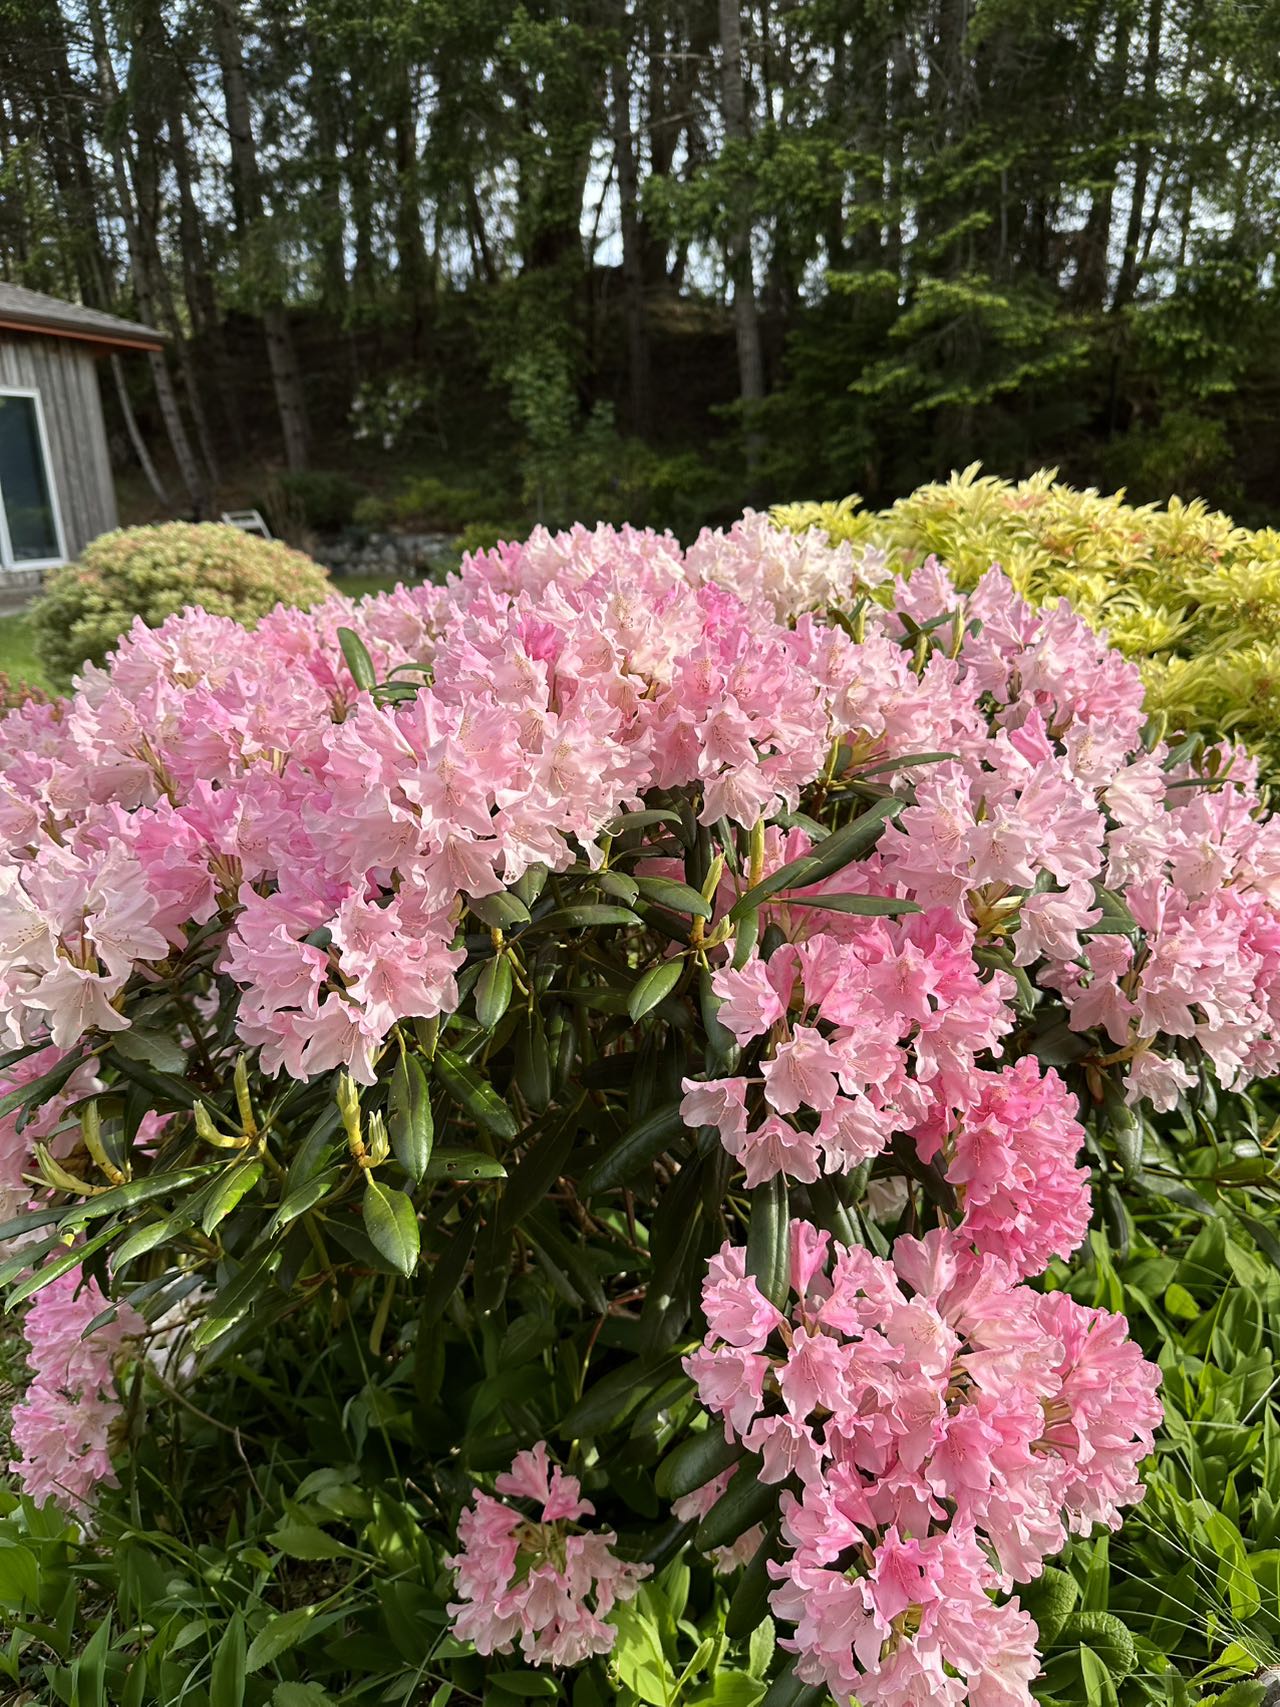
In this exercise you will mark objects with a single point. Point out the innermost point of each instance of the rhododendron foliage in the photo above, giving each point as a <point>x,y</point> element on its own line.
<point>499,952</point>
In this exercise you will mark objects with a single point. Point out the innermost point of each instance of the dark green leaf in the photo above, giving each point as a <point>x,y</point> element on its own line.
<point>636,1148</point>
<point>584,916</point>
<point>501,912</point>
<point>410,1123</point>
<point>236,1298</point>
<point>538,1169</point>
<point>226,1680</point>
<point>769,1239</point>
<point>156,1048</point>
<point>237,1180</point>
<point>745,1502</point>
<point>447,1271</point>
<point>869,906</point>
<point>679,897</point>
<point>655,986</point>
<point>302,1198</point>
<point>695,1462</point>
<point>58,1266</point>
<point>493,991</point>
<point>392,1224</point>
<point>358,660</point>
<point>463,1164</point>
<point>479,1099</point>
<point>830,855</point>
<point>136,1191</point>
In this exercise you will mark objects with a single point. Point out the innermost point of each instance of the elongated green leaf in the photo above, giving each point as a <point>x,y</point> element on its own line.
<point>569,1260</point>
<point>1116,918</point>
<point>460,1080</point>
<point>146,1238</point>
<point>41,1089</point>
<point>616,1395</point>
<point>584,916</point>
<point>679,897</point>
<point>905,763</point>
<point>19,1261</point>
<point>278,1635</point>
<point>501,912</point>
<point>52,1270</point>
<point>533,1060</point>
<point>165,1087</point>
<point>768,1239</point>
<point>236,1298</point>
<point>411,1125</point>
<point>447,1272</point>
<point>392,1224</point>
<point>229,1190</point>
<point>869,906</point>
<point>750,1604</point>
<point>655,986</point>
<point>830,855</point>
<point>634,1150</point>
<point>357,657</point>
<point>640,820</point>
<point>620,886</point>
<point>136,1191</point>
<point>156,1048</point>
<point>493,991</point>
<point>787,1690</point>
<point>226,1681</point>
<point>304,1197</point>
<point>463,1164</point>
<point>695,1462</point>
<point>745,1502</point>
<point>538,1169</point>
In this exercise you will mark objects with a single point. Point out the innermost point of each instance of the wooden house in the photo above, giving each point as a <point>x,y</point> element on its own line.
<point>56,487</point>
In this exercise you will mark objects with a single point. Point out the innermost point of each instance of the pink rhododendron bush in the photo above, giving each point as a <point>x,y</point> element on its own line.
<point>609,1058</point>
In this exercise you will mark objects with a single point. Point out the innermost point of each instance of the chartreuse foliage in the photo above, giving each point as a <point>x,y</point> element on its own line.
<point>360,1286</point>
<point>1178,587</point>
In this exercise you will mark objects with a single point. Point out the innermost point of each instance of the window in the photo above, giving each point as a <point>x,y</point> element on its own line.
<point>30,527</point>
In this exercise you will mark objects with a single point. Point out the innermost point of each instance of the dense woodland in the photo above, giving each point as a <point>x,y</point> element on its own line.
<point>658,256</point>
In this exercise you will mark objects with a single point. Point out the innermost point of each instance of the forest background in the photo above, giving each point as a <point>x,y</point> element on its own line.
<point>473,261</point>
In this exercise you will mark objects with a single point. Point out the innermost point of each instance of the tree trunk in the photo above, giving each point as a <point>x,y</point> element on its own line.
<point>135,435</point>
<point>1130,265</point>
<point>258,257</point>
<point>1090,289</point>
<point>188,466</point>
<point>746,320</point>
<point>411,249</point>
<point>638,372</point>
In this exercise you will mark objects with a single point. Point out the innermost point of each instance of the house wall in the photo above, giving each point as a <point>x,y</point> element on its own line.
<point>65,375</point>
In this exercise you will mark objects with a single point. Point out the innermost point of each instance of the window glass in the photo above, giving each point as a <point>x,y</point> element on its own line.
<point>24,483</point>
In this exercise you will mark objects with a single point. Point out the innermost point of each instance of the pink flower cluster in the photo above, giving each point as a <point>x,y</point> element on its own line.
<point>544,1580</point>
<point>946,1427</point>
<point>61,1426</point>
<point>209,776</point>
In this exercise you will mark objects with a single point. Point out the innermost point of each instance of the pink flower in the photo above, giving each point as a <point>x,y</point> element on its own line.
<point>541,1581</point>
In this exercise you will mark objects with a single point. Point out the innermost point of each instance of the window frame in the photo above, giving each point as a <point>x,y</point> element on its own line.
<point>6,544</point>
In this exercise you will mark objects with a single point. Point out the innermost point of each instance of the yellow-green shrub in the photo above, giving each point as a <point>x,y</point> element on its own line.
<point>153,572</point>
<point>1179,588</point>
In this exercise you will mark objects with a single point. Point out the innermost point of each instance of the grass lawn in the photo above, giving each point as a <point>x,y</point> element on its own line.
<point>17,651</point>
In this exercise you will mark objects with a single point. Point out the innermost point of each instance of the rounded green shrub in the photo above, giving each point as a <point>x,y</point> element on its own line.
<point>153,572</point>
<point>1179,588</point>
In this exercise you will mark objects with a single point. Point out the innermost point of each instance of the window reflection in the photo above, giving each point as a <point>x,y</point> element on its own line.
<point>25,489</point>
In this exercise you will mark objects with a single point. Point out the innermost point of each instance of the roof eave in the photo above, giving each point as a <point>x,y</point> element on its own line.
<point>136,338</point>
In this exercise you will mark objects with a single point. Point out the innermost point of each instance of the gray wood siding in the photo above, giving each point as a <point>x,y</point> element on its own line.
<point>65,375</point>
